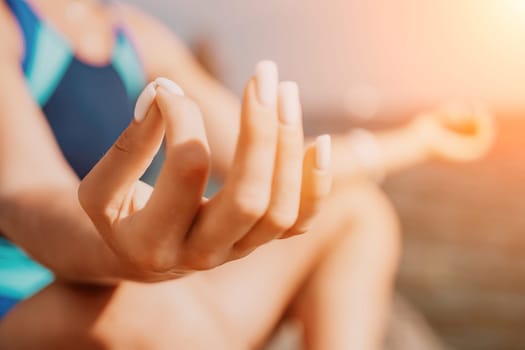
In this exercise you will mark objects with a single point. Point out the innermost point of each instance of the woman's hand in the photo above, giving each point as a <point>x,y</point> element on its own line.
<point>456,132</point>
<point>273,190</point>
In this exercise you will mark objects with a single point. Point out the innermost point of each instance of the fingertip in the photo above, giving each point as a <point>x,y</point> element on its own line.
<point>170,102</point>
<point>289,86</point>
<point>170,86</point>
<point>266,80</point>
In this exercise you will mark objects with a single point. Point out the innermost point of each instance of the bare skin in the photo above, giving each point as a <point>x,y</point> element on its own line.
<point>234,306</point>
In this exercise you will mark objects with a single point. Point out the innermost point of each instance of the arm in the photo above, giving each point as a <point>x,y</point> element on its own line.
<point>164,55</point>
<point>142,233</point>
<point>355,154</point>
<point>454,132</point>
<point>38,201</point>
<point>167,56</point>
<point>361,153</point>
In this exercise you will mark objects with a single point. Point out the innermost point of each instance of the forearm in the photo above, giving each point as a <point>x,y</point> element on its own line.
<point>402,148</point>
<point>375,155</point>
<point>395,151</point>
<point>52,228</point>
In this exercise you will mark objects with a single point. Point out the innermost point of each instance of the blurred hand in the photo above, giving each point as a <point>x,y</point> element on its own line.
<point>273,190</point>
<point>456,132</point>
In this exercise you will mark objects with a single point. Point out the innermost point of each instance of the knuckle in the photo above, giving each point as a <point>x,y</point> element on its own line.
<point>87,198</point>
<point>192,159</point>
<point>297,230</point>
<point>195,167</point>
<point>264,137</point>
<point>242,250</point>
<point>301,230</point>
<point>202,259</point>
<point>185,106</point>
<point>152,260</point>
<point>252,206</point>
<point>281,219</point>
<point>125,142</point>
<point>158,263</point>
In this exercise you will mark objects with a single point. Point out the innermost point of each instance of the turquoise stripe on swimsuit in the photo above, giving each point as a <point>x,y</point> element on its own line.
<point>20,276</point>
<point>87,107</point>
<point>44,72</point>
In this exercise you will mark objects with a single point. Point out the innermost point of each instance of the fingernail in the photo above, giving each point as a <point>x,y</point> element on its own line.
<point>289,105</point>
<point>170,86</point>
<point>144,101</point>
<point>266,79</point>
<point>323,146</point>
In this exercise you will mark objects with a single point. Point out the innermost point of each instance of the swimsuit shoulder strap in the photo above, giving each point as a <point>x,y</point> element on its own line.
<point>46,54</point>
<point>29,24</point>
<point>126,57</point>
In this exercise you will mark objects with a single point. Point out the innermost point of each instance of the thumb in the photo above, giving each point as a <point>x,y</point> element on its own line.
<point>104,189</point>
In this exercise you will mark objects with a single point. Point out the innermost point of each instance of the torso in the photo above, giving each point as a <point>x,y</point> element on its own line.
<point>85,76</point>
<point>84,73</point>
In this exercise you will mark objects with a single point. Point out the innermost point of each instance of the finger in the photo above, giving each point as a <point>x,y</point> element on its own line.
<point>182,180</point>
<point>286,187</point>
<point>317,182</point>
<point>246,193</point>
<point>465,146</point>
<point>103,190</point>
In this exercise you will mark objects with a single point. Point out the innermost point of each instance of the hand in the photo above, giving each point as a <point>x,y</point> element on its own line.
<point>456,132</point>
<point>273,190</point>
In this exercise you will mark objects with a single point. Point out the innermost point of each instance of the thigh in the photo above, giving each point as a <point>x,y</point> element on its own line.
<point>233,306</point>
<point>253,293</point>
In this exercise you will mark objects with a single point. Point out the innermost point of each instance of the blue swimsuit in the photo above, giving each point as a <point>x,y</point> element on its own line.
<point>87,107</point>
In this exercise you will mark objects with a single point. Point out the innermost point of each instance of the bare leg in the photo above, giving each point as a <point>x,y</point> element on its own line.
<point>347,299</point>
<point>235,306</point>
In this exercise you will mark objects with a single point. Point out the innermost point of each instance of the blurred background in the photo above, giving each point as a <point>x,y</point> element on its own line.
<point>376,63</point>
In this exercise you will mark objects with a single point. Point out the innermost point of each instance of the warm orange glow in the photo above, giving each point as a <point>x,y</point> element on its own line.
<point>372,57</point>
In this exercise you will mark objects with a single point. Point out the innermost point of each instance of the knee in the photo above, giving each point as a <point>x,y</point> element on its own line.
<point>369,218</point>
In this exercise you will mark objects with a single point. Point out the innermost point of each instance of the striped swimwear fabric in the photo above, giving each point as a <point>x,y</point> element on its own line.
<point>20,276</point>
<point>87,107</point>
